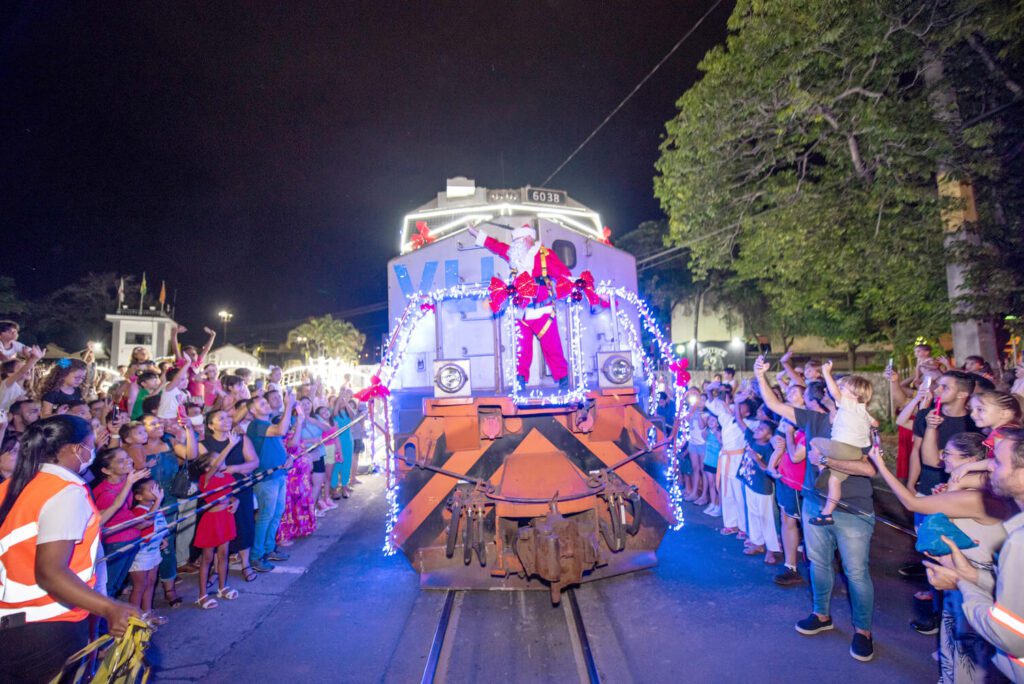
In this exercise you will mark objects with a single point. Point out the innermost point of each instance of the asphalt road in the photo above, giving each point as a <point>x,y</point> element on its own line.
<point>341,611</point>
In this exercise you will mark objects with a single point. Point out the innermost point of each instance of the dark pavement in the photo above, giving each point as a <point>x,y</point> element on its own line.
<point>340,611</point>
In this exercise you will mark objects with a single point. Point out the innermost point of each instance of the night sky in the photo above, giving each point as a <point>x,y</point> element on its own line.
<point>259,156</point>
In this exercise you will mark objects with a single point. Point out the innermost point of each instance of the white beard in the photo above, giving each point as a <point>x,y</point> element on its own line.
<point>520,257</point>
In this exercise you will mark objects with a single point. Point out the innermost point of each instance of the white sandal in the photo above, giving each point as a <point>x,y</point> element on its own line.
<point>227,593</point>
<point>206,602</point>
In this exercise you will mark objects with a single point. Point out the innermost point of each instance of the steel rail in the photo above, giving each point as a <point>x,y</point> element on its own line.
<point>572,607</point>
<point>430,670</point>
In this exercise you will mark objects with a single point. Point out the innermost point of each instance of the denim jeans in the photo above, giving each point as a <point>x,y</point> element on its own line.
<point>168,563</point>
<point>851,534</point>
<point>270,497</point>
<point>117,567</point>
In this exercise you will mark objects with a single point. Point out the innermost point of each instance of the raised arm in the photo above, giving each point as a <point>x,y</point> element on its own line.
<point>178,329</point>
<point>826,372</point>
<point>959,504</point>
<point>25,367</point>
<point>930,441</point>
<point>280,429</point>
<point>794,377</point>
<point>771,401</point>
<point>211,335</point>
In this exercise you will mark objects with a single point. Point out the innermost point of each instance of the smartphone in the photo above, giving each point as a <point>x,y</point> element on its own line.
<point>888,366</point>
<point>115,412</point>
<point>927,384</point>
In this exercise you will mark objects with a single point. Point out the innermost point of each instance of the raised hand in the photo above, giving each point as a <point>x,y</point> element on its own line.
<point>208,331</point>
<point>137,475</point>
<point>826,367</point>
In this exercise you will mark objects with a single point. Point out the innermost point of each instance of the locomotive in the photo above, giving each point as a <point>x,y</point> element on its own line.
<point>496,485</point>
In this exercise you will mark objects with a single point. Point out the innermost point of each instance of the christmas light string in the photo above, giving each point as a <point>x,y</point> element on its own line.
<point>421,304</point>
<point>667,357</point>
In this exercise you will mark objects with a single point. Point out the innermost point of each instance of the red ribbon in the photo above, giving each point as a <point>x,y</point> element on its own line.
<point>422,236</point>
<point>428,307</point>
<point>607,236</point>
<point>682,375</point>
<point>584,287</point>
<point>521,290</point>
<point>376,390</point>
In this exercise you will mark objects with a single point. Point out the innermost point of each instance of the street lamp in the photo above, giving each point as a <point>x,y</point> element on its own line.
<point>225,317</point>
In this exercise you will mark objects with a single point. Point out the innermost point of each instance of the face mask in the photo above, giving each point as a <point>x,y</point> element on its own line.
<point>86,464</point>
<point>197,421</point>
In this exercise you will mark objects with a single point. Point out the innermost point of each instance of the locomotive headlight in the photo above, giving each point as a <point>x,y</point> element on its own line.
<point>450,378</point>
<point>618,369</point>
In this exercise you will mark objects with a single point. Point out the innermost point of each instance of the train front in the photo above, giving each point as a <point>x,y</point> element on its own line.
<point>503,478</point>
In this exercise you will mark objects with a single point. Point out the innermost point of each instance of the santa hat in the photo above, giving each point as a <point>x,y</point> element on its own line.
<point>525,231</point>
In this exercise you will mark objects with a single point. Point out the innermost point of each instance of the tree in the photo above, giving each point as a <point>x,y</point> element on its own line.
<point>10,303</point>
<point>804,163</point>
<point>661,281</point>
<point>325,336</point>
<point>76,313</point>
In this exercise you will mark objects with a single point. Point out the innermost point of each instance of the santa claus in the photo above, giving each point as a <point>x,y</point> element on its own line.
<point>537,318</point>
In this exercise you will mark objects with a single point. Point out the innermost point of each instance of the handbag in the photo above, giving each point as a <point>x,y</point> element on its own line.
<point>936,525</point>
<point>182,483</point>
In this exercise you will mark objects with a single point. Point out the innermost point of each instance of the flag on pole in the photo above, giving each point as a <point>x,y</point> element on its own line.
<point>142,291</point>
<point>120,294</point>
<point>163,295</point>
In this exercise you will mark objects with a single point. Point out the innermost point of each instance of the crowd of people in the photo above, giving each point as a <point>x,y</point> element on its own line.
<point>788,466</point>
<point>113,488</point>
<point>111,492</point>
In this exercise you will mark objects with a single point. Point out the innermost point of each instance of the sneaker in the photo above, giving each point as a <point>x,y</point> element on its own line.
<point>277,556</point>
<point>708,509</point>
<point>912,571</point>
<point>862,648</point>
<point>716,511</point>
<point>261,565</point>
<point>788,578</point>
<point>927,627</point>
<point>812,624</point>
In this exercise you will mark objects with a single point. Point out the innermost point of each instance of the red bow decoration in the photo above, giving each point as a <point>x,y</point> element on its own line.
<point>375,390</point>
<point>584,287</point>
<point>607,236</point>
<point>682,375</point>
<point>423,236</point>
<point>521,290</point>
<point>428,307</point>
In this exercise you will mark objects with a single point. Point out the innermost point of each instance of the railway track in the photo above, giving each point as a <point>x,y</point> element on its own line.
<point>445,663</point>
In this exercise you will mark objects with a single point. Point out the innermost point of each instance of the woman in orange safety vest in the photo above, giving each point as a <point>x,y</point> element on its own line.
<point>49,536</point>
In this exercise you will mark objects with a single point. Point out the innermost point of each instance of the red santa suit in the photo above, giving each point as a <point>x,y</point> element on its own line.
<point>537,319</point>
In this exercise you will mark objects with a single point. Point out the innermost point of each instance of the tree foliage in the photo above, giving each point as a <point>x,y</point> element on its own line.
<point>10,303</point>
<point>326,336</point>
<point>804,161</point>
<point>76,313</point>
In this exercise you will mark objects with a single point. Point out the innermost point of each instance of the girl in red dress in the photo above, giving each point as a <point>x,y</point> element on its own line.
<point>216,528</point>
